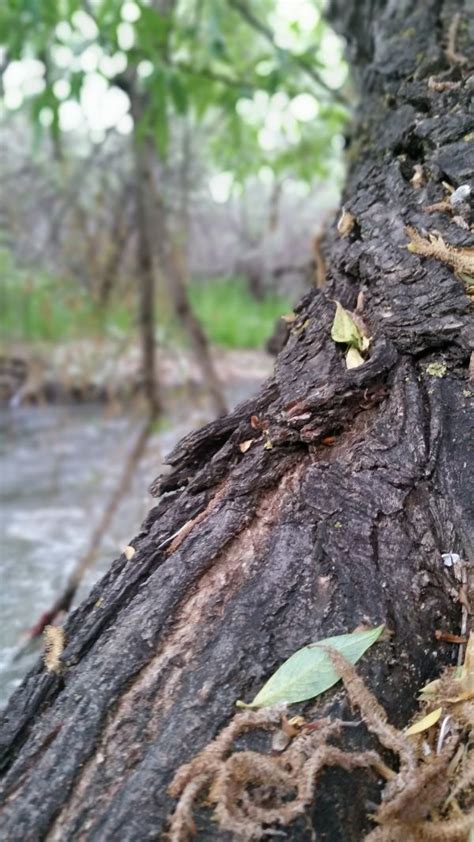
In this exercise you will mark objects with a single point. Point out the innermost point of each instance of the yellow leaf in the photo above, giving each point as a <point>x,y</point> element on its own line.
<point>430,689</point>
<point>353,358</point>
<point>467,673</point>
<point>423,724</point>
<point>129,552</point>
<point>344,328</point>
<point>245,445</point>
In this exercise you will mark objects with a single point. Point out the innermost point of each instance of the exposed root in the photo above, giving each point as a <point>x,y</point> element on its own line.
<point>254,793</point>
<point>455,830</point>
<point>451,53</point>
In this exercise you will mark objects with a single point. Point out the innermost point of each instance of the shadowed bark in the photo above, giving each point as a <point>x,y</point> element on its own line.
<point>278,547</point>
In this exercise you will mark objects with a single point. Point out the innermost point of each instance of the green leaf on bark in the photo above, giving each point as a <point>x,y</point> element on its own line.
<point>344,329</point>
<point>310,671</point>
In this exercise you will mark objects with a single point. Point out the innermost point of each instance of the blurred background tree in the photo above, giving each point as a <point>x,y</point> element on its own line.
<point>166,140</point>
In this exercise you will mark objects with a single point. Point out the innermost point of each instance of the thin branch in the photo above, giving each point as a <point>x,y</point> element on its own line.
<point>214,76</point>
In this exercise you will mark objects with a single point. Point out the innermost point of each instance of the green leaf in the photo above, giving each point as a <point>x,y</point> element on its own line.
<point>310,671</point>
<point>344,328</point>
<point>179,93</point>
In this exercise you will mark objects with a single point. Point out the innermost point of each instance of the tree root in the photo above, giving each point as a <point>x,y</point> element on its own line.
<point>253,793</point>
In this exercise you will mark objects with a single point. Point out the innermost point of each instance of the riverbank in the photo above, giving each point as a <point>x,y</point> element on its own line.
<point>61,461</point>
<point>97,370</point>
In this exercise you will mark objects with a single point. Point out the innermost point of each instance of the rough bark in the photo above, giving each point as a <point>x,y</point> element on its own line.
<point>286,545</point>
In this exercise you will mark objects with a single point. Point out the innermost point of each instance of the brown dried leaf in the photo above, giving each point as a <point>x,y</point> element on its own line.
<point>423,724</point>
<point>461,259</point>
<point>418,178</point>
<point>54,642</point>
<point>345,223</point>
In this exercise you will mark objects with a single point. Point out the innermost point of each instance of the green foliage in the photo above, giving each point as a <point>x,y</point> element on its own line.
<point>207,57</point>
<point>310,671</point>
<point>231,316</point>
<point>37,307</point>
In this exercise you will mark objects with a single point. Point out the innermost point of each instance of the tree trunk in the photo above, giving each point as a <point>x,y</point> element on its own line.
<point>342,521</point>
<point>147,290</point>
<point>173,266</point>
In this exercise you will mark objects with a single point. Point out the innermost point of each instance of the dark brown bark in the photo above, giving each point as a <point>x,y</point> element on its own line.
<point>286,545</point>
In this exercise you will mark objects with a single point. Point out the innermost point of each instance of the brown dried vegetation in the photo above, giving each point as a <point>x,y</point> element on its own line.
<point>428,797</point>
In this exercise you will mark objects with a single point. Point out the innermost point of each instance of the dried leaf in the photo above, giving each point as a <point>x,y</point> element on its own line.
<point>467,673</point>
<point>53,646</point>
<point>345,223</point>
<point>461,259</point>
<point>418,178</point>
<point>431,689</point>
<point>344,328</point>
<point>310,671</point>
<point>129,552</point>
<point>246,445</point>
<point>353,358</point>
<point>448,637</point>
<point>423,724</point>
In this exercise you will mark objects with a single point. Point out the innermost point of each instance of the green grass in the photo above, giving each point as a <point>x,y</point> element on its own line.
<point>231,317</point>
<point>37,307</point>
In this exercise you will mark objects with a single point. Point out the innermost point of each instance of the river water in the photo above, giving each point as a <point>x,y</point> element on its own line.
<point>59,465</point>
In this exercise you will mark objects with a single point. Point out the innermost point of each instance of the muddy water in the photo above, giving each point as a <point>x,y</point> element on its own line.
<point>58,467</point>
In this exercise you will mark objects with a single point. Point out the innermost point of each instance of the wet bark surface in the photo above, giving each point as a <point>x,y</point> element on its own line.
<point>342,521</point>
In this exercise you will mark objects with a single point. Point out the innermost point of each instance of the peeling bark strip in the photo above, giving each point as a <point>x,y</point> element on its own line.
<point>281,546</point>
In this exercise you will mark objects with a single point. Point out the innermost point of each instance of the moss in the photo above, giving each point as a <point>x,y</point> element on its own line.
<point>436,369</point>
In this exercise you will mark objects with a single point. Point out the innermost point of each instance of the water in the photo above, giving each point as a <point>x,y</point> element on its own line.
<point>59,466</point>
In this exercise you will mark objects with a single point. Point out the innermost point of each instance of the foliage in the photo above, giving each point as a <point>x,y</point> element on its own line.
<point>310,671</point>
<point>37,307</point>
<point>222,61</point>
<point>231,317</point>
